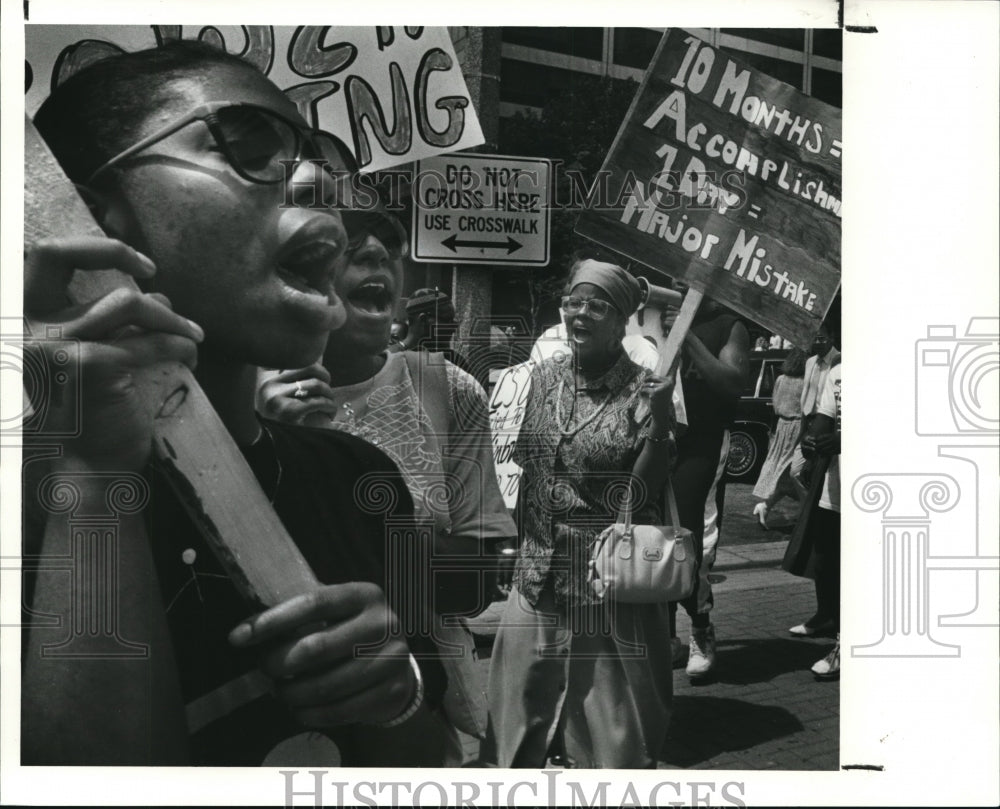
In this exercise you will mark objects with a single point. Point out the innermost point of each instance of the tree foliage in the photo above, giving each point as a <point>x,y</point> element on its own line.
<point>575,130</point>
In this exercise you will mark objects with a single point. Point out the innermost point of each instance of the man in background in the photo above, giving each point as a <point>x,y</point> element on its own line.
<point>432,327</point>
<point>714,363</point>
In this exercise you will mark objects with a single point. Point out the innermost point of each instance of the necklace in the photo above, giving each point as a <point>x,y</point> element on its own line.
<point>277,461</point>
<point>360,397</point>
<point>564,425</point>
<point>601,371</point>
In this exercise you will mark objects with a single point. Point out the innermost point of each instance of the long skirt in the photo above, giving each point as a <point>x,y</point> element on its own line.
<point>774,472</point>
<point>601,676</point>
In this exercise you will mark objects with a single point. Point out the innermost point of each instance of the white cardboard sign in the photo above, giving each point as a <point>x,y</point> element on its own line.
<point>395,94</point>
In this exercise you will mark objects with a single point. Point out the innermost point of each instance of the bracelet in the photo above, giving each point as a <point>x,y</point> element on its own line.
<point>663,439</point>
<point>415,703</point>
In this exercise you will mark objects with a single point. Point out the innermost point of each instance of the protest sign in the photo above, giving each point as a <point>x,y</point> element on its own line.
<point>482,209</point>
<point>394,94</point>
<point>729,180</point>
<point>507,402</point>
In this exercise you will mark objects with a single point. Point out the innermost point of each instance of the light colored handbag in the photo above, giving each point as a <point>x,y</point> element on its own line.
<point>644,564</point>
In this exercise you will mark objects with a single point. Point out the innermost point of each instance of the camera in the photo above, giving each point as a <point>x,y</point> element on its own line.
<point>958,379</point>
<point>47,367</point>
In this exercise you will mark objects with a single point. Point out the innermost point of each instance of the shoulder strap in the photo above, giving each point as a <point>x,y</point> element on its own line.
<point>625,515</point>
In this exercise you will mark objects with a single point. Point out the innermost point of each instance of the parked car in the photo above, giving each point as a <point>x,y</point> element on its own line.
<point>751,427</point>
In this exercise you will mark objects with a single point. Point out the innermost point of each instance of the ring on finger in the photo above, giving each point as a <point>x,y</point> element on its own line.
<point>300,392</point>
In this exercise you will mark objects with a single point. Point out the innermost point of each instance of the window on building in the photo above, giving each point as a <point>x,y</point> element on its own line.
<point>828,42</point>
<point>827,85</point>
<point>783,37</point>
<point>634,47</point>
<point>584,42</point>
<point>531,84</point>
<point>788,72</point>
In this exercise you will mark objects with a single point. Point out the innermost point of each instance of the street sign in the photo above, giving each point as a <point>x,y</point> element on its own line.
<point>481,209</point>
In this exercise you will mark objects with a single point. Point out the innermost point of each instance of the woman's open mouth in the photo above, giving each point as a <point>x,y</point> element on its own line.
<point>310,270</point>
<point>308,254</point>
<point>373,297</point>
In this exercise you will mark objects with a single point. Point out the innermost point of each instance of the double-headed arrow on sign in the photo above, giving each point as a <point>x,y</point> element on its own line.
<point>453,243</point>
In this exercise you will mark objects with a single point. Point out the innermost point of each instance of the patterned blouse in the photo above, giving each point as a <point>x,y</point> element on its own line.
<point>450,474</point>
<point>577,447</point>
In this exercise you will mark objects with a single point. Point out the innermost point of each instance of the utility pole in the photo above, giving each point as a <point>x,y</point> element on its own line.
<point>478,51</point>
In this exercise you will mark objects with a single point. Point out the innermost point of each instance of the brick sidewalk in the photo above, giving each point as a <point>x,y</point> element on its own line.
<point>763,709</point>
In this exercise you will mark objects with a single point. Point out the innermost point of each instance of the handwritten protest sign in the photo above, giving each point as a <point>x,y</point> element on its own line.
<point>394,93</point>
<point>507,402</point>
<point>729,180</point>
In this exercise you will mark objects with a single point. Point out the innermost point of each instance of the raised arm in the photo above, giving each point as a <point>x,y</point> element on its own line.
<point>659,452</point>
<point>97,707</point>
<point>727,373</point>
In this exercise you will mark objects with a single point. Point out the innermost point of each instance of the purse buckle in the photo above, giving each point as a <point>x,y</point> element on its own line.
<point>625,545</point>
<point>680,552</point>
<point>652,554</point>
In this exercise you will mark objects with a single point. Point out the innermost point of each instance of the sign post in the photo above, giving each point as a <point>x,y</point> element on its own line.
<point>481,209</point>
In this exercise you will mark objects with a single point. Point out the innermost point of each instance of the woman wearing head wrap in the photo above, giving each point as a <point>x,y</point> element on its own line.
<point>571,675</point>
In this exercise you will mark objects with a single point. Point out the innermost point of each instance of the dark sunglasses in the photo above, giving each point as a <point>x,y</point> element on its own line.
<point>383,226</point>
<point>256,141</point>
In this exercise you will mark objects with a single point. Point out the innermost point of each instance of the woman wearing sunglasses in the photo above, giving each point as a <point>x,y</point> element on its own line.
<point>219,199</point>
<point>428,415</point>
<point>566,678</point>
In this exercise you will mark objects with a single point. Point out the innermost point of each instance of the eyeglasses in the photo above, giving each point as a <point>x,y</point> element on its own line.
<point>256,141</point>
<point>383,226</point>
<point>595,307</point>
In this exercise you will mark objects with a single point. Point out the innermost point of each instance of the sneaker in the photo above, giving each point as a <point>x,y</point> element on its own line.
<point>701,657</point>
<point>809,628</point>
<point>829,667</point>
<point>760,512</point>
<point>678,652</point>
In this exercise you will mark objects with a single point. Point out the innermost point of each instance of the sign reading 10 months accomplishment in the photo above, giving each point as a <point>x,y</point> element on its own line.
<point>481,209</point>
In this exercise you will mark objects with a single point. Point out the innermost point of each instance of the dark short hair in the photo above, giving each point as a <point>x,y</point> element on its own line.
<point>832,321</point>
<point>795,363</point>
<point>97,112</point>
<point>431,301</point>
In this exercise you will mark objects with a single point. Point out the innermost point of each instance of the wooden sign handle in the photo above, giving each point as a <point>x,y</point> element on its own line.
<point>671,350</point>
<point>205,467</point>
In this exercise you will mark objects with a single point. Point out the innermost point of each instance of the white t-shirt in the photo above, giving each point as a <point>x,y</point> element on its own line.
<point>554,341</point>
<point>814,378</point>
<point>829,405</point>
<point>390,410</point>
